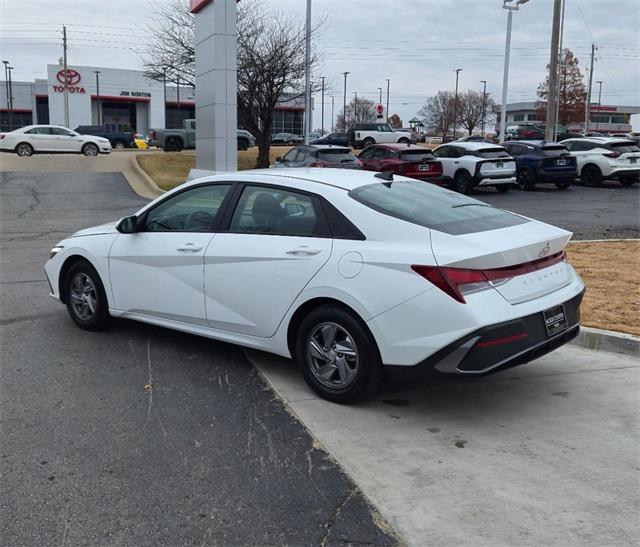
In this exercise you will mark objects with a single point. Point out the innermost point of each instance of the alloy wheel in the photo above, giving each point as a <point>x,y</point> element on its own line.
<point>332,355</point>
<point>83,296</point>
<point>90,150</point>
<point>24,150</point>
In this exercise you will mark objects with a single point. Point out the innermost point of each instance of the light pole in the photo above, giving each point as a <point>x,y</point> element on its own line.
<point>599,82</point>
<point>332,105</point>
<point>455,104</point>
<point>10,68</point>
<point>322,107</point>
<point>484,103</point>
<point>307,76</point>
<point>97,73</point>
<point>507,50</point>
<point>6,82</point>
<point>388,83</point>
<point>344,102</point>
<point>380,90</point>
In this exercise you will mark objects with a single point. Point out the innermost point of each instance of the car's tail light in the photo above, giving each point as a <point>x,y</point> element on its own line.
<point>527,133</point>
<point>612,154</point>
<point>457,282</point>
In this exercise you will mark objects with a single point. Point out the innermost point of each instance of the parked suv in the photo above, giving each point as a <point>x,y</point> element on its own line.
<point>403,159</point>
<point>362,135</point>
<point>318,155</point>
<point>535,131</point>
<point>118,139</point>
<point>602,158</point>
<point>542,162</point>
<point>469,164</point>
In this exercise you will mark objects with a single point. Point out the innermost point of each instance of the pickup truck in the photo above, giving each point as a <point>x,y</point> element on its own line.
<point>177,139</point>
<point>118,139</point>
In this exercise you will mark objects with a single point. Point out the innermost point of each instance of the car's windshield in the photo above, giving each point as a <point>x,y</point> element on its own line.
<point>489,153</point>
<point>433,207</point>
<point>625,147</point>
<point>417,155</point>
<point>554,150</point>
<point>339,155</point>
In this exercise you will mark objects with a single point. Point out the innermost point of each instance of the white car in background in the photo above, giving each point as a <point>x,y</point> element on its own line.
<point>601,158</point>
<point>468,164</point>
<point>52,138</point>
<point>351,273</point>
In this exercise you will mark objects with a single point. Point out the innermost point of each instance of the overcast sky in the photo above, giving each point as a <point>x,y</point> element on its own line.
<point>416,43</point>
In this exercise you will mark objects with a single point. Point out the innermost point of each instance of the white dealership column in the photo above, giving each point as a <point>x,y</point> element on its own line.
<point>216,84</point>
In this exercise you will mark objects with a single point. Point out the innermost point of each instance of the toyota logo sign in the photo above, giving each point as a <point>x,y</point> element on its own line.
<point>73,77</point>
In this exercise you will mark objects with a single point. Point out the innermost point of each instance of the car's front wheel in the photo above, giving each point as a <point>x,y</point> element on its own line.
<point>338,355</point>
<point>368,142</point>
<point>85,297</point>
<point>526,179</point>
<point>591,176</point>
<point>90,149</point>
<point>24,149</point>
<point>463,182</point>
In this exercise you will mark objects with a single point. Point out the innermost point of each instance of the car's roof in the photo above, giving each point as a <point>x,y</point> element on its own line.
<point>400,146</point>
<point>27,127</point>
<point>471,145</point>
<point>535,142</point>
<point>599,140</point>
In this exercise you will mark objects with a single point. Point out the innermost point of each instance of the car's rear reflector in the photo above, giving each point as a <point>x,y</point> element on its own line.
<point>456,281</point>
<point>500,341</point>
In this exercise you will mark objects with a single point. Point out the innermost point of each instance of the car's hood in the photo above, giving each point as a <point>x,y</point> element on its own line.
<point>109,228</point>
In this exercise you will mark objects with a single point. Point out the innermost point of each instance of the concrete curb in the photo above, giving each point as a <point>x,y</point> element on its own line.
<point>146,179</point>
<point>607,340</point>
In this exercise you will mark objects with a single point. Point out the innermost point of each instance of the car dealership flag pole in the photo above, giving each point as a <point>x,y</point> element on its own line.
<point>66,76</point>
<point>307,76</point>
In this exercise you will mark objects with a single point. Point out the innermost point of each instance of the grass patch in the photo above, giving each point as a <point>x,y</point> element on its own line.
<point>169,169</point>
<point>611,272</point>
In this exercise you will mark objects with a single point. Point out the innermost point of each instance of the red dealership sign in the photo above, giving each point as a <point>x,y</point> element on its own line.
<point>69,80</point>
<point>598,108</point>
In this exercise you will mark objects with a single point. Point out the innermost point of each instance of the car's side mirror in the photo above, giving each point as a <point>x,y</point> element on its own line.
<point>127,225</point>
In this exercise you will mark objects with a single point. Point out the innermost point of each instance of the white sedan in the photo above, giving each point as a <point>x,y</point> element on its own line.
<point>52,138</point>
<point>350,273</point>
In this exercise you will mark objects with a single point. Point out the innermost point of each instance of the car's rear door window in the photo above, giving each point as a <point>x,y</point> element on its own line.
<point>416,155</point>
<point>336,155</point>
<point>491,153</point>
<point>554,150</point>
<point>432,207</point>
<point>624,147</point>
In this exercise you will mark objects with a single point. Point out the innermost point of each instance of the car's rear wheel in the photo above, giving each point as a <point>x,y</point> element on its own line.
<point>338,355</point>
<point>404,140</point>
<point>85,297</point>
<point>526,179</point>
<point>591,176</point>
<point>172,145</point>
<point>90,149</point>
<point>503,188</point>
<point>463,182</point>
<point>564,184</point>
<point>119,145</point>
<point>628,181</point>
<point>24,149</point>
<point>368,142</point>
<point>243,145</point>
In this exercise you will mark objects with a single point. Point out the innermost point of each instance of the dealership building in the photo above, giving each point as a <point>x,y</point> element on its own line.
<point>122,100</point>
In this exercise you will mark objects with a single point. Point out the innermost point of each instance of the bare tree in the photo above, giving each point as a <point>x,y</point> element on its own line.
<point>359,110</point>
<point>471,109</point>
<point>438,112</point>
<point>271,61</point>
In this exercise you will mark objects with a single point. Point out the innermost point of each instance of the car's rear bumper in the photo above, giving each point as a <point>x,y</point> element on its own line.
<point>481,180</point>
<point>556,176</point>
<point>631,171</point>
<point>498,346</point>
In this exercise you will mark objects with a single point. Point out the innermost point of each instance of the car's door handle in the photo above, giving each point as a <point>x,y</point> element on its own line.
<point>304,251</point>
<point>190,248</point>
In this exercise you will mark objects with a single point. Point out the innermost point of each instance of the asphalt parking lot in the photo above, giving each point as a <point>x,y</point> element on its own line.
<point>140,436</point>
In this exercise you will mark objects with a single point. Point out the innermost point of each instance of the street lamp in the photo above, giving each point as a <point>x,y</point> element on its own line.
<point>97,72</point>
<point>507,4</point>
<point>484,103</point>
<point>599,82</point>
<point>380,90</point>
<point>455,104</point>
<point>9,69</point>
<point>307,76</point>
<point>387,110</point>
<point>344,102</point>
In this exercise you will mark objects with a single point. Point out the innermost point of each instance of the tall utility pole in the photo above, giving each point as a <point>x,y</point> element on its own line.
<point>164,94</point>
<point>587,108</point>
<point>556,116</point>
<point>344,103</point>
<point>552,91</point>
<point>97,73</point>
<point>322,107</point>
<point>6,84</point>
<point>307,76</point>
<point>178,123</point>
<point>66,76</point>
<point>332,105</point>
<point>387,111</point>
<point>484,104</point>
<point>455,104</point>
<point>10,68</point>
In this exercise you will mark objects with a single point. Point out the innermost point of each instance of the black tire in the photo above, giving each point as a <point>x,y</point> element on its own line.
<point>76,289</point>
<point>24,149</point>
<point>90,149</point>
<point>368,142</point>
<point>119,145</point>
<point>564,184</point>
<point>526,179</point>
<point>243,145</point>
<point>504,188</point>
<point>365,376</point>
<point>463,182</point>
<point>404,140</point>
<point>172,145</point>
<point>628,181</point>
<point>591,176</point>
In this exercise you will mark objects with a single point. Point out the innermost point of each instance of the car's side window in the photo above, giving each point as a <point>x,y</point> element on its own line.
<point>60,131</point>
<point>38,131</point>
<point>291,155</point>
<point>193,210</point>
<point>302,154</point>
<point>277,211</point>
<point>367,153</point>
<point>442,152</point>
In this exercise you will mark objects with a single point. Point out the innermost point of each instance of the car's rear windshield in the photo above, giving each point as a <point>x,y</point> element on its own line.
<point>336,156</point>
<point>436,208</point>
<point>625,147</point>
<point>417,155</point>
<point>554,150</point>
<point>490,153</point>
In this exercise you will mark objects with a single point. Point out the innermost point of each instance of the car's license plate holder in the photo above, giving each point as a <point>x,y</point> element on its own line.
<point>423,167</point>
<point>555,320</point>
<point>561,162</point>
<point>500,164</point>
